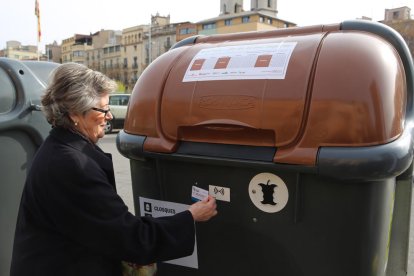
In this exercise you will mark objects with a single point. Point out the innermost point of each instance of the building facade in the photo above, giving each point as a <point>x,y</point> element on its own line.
<point>15,50</point>
<point>74,48</point>
<point>400,20</point>
<point>232,19</point>
<point>53,52</point>
<point>159,38</point>
<point>397,14</point>
<point>111,61</point>
<point>185,30</point>
<point>124,55</point>
<point>105,53</point>
<point>132,55</point>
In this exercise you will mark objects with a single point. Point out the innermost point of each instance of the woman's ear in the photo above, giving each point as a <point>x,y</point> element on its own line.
<point>74,118</point>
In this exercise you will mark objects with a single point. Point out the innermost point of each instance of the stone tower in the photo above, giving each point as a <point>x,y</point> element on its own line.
<point>268,6</point>
<point>230,6</point>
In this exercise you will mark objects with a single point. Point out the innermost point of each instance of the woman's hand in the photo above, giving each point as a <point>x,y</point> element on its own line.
<point>204,210</point>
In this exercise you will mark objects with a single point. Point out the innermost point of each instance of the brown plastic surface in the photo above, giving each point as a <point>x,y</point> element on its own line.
<point>341,89</point>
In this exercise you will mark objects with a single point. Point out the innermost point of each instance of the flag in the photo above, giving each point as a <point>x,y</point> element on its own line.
<point>37,13</point>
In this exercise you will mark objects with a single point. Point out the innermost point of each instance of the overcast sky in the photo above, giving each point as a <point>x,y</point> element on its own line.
<point>62,19</point>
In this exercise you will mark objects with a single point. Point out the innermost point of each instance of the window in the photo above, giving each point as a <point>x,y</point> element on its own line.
<point>245,19</point>
<point>395,15</point>
<point>227,22</point>
<point>135,62</point>
<point>125,62</point>
<point>269,3</point>
<point>167,43</point>
<point>185,31</point>
<point>78,53</point>
<point>209,26</point>
<point>269,21</point>
<point>261,19</point>
<point>8,93</point>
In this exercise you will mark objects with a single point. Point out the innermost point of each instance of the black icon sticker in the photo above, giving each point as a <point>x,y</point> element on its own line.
<point>147,207</point>
<point>219,191</point>
<point>268,192</point>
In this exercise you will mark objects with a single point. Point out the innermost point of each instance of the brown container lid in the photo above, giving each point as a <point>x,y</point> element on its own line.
<point>295,90</point>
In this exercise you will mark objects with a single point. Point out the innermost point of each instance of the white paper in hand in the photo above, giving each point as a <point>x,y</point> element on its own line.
<point>198,194</point>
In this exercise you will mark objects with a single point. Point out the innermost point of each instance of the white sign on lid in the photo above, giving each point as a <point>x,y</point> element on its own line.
<point>253,61</point>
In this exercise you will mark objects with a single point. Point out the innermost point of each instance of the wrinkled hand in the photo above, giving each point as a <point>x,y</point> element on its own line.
<point>204,210</point>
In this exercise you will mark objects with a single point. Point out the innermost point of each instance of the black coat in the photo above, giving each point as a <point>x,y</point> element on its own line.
<point>72,222</point>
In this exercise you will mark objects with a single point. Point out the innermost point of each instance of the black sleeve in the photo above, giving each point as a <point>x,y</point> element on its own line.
<point>85,207</point>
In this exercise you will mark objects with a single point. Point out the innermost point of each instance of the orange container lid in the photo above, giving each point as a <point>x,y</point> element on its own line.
<point>293,89</point>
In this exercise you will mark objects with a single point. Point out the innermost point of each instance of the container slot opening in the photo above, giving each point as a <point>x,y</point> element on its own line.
<point>227,134</point>
<point>265,154</point>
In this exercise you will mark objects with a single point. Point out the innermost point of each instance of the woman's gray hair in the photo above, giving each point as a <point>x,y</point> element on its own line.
<point>74,89</point>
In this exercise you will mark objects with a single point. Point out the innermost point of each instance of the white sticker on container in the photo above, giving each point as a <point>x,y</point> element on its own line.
<point>220,193</point>
<point>232,62</point>
<point>159,208</point>
<point>198,194</point>
<point>268,192</point>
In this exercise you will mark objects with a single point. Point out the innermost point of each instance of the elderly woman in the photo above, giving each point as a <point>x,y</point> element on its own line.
<point>71,220</point>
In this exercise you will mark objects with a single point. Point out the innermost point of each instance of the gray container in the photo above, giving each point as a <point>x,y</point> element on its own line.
<point>23,128</point>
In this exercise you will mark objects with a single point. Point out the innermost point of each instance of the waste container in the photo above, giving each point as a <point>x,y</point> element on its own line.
<point>22,129</point>
<point>304,136</point>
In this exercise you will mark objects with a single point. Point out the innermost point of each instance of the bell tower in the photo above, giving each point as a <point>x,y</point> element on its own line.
<point>231,6</point>
<point>268,6</point>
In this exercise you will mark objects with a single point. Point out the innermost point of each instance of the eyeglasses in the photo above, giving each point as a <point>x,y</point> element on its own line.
<point>102,110</point>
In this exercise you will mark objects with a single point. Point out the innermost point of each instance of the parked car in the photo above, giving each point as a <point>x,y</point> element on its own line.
<point>118,103</point>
